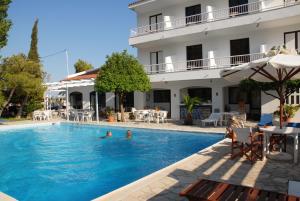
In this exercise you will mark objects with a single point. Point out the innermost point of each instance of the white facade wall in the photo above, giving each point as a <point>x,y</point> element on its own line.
<point>110,97</point>
<point>219,45</point>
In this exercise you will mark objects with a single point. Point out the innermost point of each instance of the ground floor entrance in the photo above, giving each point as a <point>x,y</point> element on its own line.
<point>216,95</point>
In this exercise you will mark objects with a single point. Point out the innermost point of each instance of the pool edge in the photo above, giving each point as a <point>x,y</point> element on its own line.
<point>5,197</point>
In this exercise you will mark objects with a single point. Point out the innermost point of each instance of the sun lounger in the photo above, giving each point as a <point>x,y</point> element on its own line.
<point>266,120</point>
<point>294,188</point>
<point>214,118</point>
<point>207,190</point>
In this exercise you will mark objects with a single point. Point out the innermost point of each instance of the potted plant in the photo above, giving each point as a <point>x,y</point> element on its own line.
<point>190,104</point>
<point>110,114</point>
<point>290,111</point>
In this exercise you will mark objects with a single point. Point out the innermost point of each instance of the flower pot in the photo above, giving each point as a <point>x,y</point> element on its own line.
<point>111,119</point>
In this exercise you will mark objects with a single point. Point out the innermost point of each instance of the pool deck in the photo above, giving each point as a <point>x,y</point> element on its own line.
<point>212,163</point>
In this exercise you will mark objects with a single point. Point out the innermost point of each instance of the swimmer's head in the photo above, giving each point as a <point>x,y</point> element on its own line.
<point>108,134</point>
<point>129,133</point>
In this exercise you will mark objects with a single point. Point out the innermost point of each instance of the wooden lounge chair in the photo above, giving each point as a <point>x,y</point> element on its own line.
<point>207,190</point>
<point>248,143</point>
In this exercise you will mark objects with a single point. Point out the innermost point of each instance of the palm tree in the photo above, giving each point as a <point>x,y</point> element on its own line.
<point>190,103</point>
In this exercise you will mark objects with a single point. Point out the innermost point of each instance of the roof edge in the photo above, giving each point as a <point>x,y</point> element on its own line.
<point>138,3</point>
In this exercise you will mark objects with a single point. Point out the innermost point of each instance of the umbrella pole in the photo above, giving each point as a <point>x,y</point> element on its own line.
<point>281,114</point>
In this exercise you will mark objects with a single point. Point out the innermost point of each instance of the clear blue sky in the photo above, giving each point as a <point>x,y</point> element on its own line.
<point>89,29</point>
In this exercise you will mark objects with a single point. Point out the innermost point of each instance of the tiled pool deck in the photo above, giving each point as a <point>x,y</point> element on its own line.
<point>212,163</point>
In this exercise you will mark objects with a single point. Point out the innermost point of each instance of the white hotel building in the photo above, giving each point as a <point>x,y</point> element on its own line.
<point>185,44</point>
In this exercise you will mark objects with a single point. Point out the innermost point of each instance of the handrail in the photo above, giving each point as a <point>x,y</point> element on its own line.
<point>202,64</point>
<point>214,15</point>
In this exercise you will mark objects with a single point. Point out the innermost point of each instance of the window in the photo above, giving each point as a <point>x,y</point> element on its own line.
<point>76,100</point>
<point>161,96</point>
<point>238,7</point>
<point>203,93</point>
<point>294,99</point>
<point>156,61</point>
<point>292,40</point>
<point>194,56</point>
<point>239,51</point>
<point>155,22</point>
<point>193,14</point>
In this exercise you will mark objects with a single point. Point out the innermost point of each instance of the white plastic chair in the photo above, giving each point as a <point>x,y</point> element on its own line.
<point>88,115</point>
<point>162,116</point>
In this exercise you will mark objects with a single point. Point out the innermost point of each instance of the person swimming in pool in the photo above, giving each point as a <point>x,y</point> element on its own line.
<point>108,135</point>
<point>129,134</point>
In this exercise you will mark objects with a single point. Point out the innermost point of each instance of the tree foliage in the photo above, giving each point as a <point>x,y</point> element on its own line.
<point>20,81</point>
<point>122,73</point>
<point>290,87</point>
<point>81,66</point>
<point>33,52</point>
<point>5,23</point>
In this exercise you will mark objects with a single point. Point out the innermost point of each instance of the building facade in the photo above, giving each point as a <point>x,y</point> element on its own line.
<point>185,44</point>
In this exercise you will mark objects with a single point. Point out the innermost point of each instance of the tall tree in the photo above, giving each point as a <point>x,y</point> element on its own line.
<point>122,73</point>
<point>81,65</point>
<point>5,23</point>
<point>22,83</point>
<point>33,52</point>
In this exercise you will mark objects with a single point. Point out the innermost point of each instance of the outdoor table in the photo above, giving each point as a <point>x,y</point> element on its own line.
<point>288,131</point>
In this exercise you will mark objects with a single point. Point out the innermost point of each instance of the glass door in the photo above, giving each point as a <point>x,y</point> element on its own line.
<point>292,40</point>
<point>193,14</point>
<point>239,51</point>
<point>156,61</point>
<point>155,22</point>
<point>238,7</point>
<point>194,57</point>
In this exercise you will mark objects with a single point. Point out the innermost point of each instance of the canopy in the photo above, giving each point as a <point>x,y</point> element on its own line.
<point>280,67</point>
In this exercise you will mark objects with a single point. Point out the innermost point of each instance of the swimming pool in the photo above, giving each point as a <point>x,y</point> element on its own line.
<point>70,162</point>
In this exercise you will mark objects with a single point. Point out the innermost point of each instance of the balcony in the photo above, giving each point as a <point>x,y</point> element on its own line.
<point>213,15</point>
<point>202,64</point>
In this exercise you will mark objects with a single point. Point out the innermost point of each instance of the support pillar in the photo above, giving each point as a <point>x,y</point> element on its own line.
<point>139,100</point>
<point>175,104</point>
<point>217,99</point>
<point>67,102</point>
<point>97,108</point>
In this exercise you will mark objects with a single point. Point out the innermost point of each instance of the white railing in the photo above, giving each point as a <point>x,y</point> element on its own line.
<point>202,64</point>
<point>214,15</point>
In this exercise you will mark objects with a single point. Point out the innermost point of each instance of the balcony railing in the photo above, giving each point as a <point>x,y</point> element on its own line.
<point>202,64</point>
<point>214,15</point>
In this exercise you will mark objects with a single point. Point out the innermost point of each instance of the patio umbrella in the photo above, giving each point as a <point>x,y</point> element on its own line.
<point>278,66</point>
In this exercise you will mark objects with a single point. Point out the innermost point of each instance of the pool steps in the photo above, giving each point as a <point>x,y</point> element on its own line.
<point>4,197</point>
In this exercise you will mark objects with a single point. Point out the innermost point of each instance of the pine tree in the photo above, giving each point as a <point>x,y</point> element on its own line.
<point>5,23</point>
<point>33,54</point>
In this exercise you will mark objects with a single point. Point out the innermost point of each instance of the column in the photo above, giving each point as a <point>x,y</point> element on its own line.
<point>211,57</point>
<point>175,104</point>
<point>209,11</point>
<point>110,100</point>
<point>139,100</point>
<point>97,108</point>
<point>263,48</point>
<point>217,99</point>
<point>67,101</point>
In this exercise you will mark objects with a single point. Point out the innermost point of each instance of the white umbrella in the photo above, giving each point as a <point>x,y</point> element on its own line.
<point>278,68</point>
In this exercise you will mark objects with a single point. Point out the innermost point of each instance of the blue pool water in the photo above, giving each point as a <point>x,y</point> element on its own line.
<point>69,162</point>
